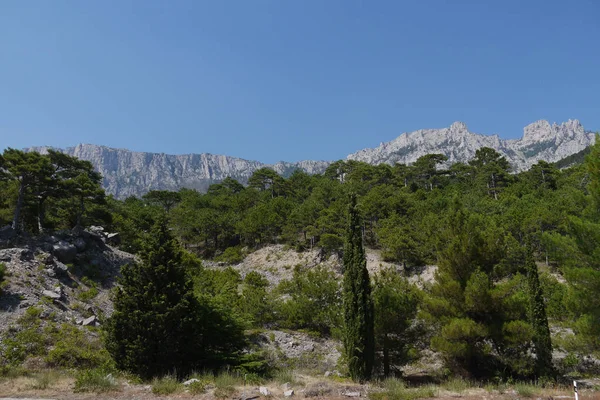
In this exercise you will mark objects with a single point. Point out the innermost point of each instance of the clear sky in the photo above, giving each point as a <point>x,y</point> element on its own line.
<point>289,79</point>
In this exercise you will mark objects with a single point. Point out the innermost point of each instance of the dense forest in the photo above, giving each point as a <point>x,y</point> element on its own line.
<point>516,253</point>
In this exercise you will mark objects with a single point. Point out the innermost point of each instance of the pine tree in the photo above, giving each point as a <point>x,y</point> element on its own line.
<point>539,321</point>
<point>158,325</point>
<point>359,340</point>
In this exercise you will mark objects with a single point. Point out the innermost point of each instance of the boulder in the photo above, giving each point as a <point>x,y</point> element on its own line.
<point>7,233</point>
<point>26,255</point>
<point>288,393</point>
<point>80,244</point>
<point>264,391</point>
<point>113,238</point>
<point>352,394</point>
<point>190,381</point>
<point>48,260</point>
<point>64,251</point>
<point>60,268</point>
<point>91,321</point>
<point>51,294</point>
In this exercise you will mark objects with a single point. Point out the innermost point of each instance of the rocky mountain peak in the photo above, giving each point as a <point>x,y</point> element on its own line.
<point>458,127</point>
<point>128,173</point>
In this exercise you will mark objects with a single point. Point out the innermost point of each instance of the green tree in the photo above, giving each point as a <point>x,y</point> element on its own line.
<point>158,326</point>
<point>539,321</point>
<point>395,302</point>
<point>359,339</point>
<point>29,170</point>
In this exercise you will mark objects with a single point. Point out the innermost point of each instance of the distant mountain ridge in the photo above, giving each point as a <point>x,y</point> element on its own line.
<point>128,173</point>
<point>540,141</point>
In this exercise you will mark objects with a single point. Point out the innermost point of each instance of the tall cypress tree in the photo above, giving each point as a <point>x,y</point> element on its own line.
<point>539,321</point>
<point>359,338</point>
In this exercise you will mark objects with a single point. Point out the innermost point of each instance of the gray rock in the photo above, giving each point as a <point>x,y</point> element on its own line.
<point>26,255</point>
<point>264,391</point>
<point>60,268</point>
<point>5,257</point>
<point>50,272</point>
<point>51,294</point>
<point>48,260</point>
<point>80,244</point>
<point>352,394</point>
<point>113,238</point>
<point>288,393</point>
<point>65,252</point>
<point>91,321</point>
<point>327,374</point>
<point>190,381</point>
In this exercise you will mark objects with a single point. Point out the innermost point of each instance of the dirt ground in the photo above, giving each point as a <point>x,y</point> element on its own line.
<point>23,388</point>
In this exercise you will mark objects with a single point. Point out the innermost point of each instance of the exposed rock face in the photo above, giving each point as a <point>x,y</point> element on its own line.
<point>540,141</point>
<point>128,173</point>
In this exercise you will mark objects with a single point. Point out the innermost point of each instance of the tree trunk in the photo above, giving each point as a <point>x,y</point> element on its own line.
<point>15,223</point>
<point>386,357</point>
<point>41,215</point>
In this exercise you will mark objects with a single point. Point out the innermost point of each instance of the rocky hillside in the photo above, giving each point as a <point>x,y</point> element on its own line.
<point>540,141</point>
<point>68,275</point>
<point>128,173</point>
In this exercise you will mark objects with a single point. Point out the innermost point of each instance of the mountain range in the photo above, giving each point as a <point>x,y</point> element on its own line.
<point>129,173</point>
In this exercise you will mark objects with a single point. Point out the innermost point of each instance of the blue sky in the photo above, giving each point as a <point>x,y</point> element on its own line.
<point>281,79</point>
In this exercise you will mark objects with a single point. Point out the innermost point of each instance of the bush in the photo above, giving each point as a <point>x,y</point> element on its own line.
<point>2,275</point>
<point>166,385</point>
<point>395,389</point>
<point>314,301</point>
<point>231,255</point>
<point>73,349</point>
<point>94,380</point>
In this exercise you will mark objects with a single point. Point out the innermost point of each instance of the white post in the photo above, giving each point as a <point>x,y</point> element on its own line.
<point>575,388</point>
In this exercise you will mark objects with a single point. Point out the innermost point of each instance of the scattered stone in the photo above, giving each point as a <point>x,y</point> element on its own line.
<point>50,272</point>
<point>58,290</point>
<point>49,259</point>
<point>285,386</point>
<point>26,255</point>
<point>264,391</point>
<point>328,374</point>
<point>24,304</point>
<point>189,382</point>
<point>110,378</point>
<point>78,321</point>
<point>64,251</point>
<point>352,394</point>
<point>60,268</point>
<point>5,257</point>
<point>91,321</point>
<point>89,308</point>
<point>288,393</point>
<point>51,294</point>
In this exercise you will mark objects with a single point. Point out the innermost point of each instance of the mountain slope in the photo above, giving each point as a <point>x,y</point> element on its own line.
<point>540,141</point>
<point>128,173</point>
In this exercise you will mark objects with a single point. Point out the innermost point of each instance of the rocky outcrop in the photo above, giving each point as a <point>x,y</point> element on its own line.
<point>540,141</point>
<point>128,173</point>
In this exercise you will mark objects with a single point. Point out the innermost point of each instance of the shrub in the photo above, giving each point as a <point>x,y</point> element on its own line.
<point>45,379</point>
<point>166,385</point>
<point>73,349</point>
<point>94,380</point>
<point>2,275</point>
<point>231,255</point>
<point>395,389</point>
